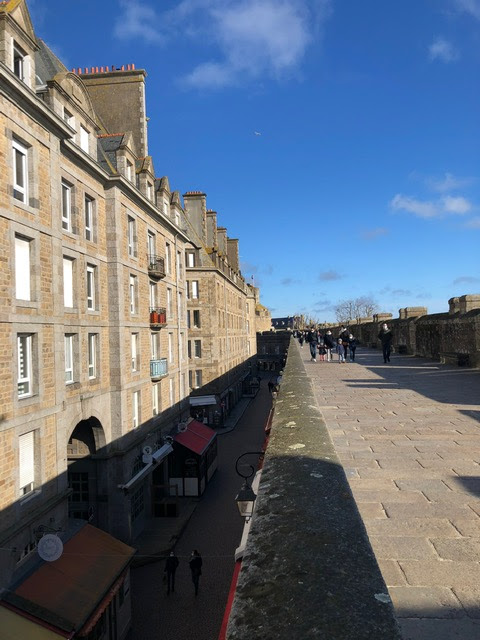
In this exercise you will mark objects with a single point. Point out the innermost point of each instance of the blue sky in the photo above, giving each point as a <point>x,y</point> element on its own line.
<point>365,178</point>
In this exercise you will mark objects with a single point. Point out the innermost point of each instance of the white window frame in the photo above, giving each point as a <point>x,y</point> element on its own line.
<point>151,244</point>
<point>23,286</point>
<point>128,170</point>
<point>168,258</point>
<point>20,191</point>
<point>154,346</point>
<point>169,304</point>
<point>190,255</point>
<point>131,239</point>
<point>152,292</point>
<point>89,220</point>
<point>179,265</point>
<point>92,355</point>
<point>149,190</point>
<point>155,399</point>
<point>197,348</point>
<point>198,378</point>
<point>171,391</point>
<point>198,324</point>
<point>91,284</point>
<point>195,289</point>
<point>133,294</point>
<point>135,409</point>
<point>134,351</point>
<point>84,139</point>
<point>66,194</point>
<point>170,347</point>
<point>26,463</point>
<point>24,67</point>
<point>68,267</point>
<point>69,358</point>
<point>24,365</point>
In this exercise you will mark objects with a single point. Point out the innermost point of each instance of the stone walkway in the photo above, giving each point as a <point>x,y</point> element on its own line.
<point>408,436</point>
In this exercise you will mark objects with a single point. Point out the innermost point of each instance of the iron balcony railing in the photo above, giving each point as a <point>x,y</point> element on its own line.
<point>156,267</point>
<point>158,368</point>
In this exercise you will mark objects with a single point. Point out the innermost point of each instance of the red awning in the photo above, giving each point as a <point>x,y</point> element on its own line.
<point>197,437</point>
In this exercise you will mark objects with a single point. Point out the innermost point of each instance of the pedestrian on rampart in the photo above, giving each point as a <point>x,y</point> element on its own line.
<point>196,568</point>
<point>352,343</point>
<point>171,564</point>
<point>340,351</point>
<point>329,342</point>
<point>386,336</point>
<point>312,339</point>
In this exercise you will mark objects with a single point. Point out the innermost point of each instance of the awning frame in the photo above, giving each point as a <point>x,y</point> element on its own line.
<point>157,457</point>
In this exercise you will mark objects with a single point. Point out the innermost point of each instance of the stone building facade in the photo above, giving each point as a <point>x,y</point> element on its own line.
<point>97,314</point>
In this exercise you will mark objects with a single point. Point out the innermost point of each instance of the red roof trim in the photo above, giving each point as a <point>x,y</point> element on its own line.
<point>37,621</point>
<point>197,437</point>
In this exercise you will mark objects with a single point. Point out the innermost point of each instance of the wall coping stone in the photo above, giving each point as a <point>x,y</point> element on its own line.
<point>308,570</point>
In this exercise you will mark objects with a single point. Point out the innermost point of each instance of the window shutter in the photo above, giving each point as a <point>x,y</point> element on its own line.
<point>26,459</point>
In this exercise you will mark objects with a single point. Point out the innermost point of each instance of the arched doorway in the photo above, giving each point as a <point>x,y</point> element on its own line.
<point>86,439</point>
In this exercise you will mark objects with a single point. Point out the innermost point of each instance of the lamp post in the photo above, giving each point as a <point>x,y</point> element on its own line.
<point>246,496</point>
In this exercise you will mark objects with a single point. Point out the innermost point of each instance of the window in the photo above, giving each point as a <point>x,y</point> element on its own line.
<point>189,348</point>
<point>134,351</point>
<point>78,483</point>
<point>135,408</point>
<point>20,171</point>
<point>89,203</point>
<point>68,117</point>
<point>91,283</point>
<point>150,191</point>
<point>137,503</point>
<point>129,171</point>
<point>196,319</point>
<point>190,259</point>
<point>153,295</point>
<point>20,63</point>
<point>151,245</point>
<point>22,268</point>
<point>132,239</point>
<point>166,207</point>
<point>92,355</point>
<point>170,347</point>
<point>197,348</point>
<point>133,294</point>
<point>68,282</point>
<point>171,391</point>
<point>66,206</point>
<point>26,462</point>
<point>181,346</point>
<point>179,265</point>
<point>69,358</point>
<point>194,289</point>
<point>168,259</point>
<point>24,363</point>
<point>180,307</point>
<point>190,379</point>
<point>188,319</point>
<point>169,304</point>
<point>154,337</point>
<point>198,378</point>
<point>84,139</point>
<point>155,399</point>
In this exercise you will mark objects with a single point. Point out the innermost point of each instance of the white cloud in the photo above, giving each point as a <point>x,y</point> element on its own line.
<point>372,234</point>
<point>443,50</point>
<point>448,183</point>
<point>251,38</point>
<point>469,6</point>
<point>456,205</point>
<point>420,208</point>
<point>473,223</point>
<point>138,21</point>
<point>447,205</point>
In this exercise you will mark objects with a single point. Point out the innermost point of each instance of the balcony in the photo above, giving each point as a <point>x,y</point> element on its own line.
<point>158,369</point>
<point>156,267</point>
<point>158,318</point>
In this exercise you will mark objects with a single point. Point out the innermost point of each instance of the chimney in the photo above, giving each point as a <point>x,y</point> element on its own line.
<point>222,240</point>
<point>232,250</point>
<point>211,228</point>
<point>118,97</point>
<point>195,205</point>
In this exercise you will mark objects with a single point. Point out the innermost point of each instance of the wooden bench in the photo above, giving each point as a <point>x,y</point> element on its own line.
<point>455,357</point>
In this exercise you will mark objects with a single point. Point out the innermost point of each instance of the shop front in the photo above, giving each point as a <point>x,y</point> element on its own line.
<point>194,459</point>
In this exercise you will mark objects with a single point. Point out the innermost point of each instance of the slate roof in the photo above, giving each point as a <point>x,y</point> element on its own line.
<point>47,65</point>
<point>107,151</point>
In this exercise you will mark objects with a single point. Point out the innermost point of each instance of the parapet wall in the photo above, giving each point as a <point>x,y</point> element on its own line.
<point>440,336</point>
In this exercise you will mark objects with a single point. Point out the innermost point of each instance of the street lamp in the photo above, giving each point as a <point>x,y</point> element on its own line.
<point>246,496</point>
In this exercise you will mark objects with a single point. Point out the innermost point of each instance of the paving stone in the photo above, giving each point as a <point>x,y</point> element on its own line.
<point>441,573</point>
<point>431,510</point>
<point>464,550</point>
<point>410,497</point>
<point>425,629</point>
<point>415,527</point>
<point>470,599</point>
<point>467,528</point>
<point>401,548</point>
<point>391,572</point>
<point>426,602</point>
<point>369,510</point>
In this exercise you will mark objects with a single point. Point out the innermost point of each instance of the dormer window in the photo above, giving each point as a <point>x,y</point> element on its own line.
<point>166,208</point>
<point>129,171</point>
<point>68,117</point>
<point>20,63</point>
<point>84,139</point>
<point>150,191</point>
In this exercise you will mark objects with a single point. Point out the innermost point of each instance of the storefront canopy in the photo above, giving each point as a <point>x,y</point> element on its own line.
<point>202,401</point>
<point>197,437</point>
<point>66,594</point>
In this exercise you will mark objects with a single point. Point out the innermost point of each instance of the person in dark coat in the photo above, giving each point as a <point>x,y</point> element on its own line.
<point>171,564</point>
<point>386,336</point>
<point>330,344</point>
<point>352,343</point>
<point>312,339</point>
<point>196,568</point>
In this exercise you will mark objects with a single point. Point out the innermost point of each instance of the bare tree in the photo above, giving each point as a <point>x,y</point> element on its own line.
<point>348,310</point>
<point>366,306</point>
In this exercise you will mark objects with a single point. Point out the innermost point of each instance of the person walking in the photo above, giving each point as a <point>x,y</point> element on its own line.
<point>312,339</point>
<point>352,343</point>
<point>329,342</point>
<point>386,336</point>
<point>196,568</point>
<point>171,564</point>
<point>340,351</point>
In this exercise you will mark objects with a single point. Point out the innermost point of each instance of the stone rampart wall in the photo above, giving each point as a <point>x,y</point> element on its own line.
<point>452,337</point>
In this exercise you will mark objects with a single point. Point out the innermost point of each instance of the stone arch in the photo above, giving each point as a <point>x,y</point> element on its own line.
<point>87,438</point>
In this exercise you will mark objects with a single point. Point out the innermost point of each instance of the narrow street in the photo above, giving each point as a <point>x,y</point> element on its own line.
<point>215,530</point>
